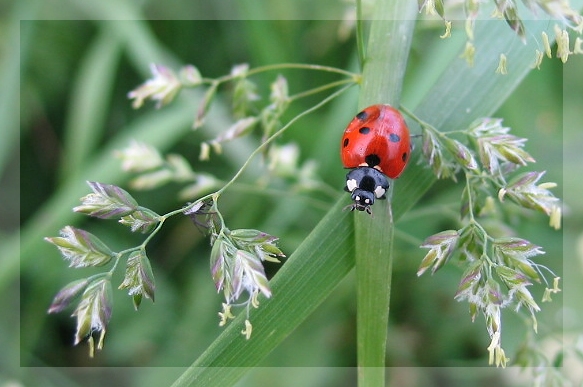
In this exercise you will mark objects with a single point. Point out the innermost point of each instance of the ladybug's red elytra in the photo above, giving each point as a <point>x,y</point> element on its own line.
<point>376,146</point>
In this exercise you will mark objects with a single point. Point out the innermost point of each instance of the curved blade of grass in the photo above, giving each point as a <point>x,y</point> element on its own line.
<point>18,37</point>
<point>86,117</point>
<point>388,49</point>
<point>460,94</point>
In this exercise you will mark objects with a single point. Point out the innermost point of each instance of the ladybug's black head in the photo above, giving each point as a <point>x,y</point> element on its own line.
<point>362,200</point>
<point>365,185</point>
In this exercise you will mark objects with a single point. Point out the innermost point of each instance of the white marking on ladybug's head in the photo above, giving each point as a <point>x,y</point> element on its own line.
<point>379,192</point>
<point>351,185</point>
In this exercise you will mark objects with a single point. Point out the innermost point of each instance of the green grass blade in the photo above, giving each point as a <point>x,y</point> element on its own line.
<point>383,76</point>
<point>17,46</point>
<point>91,95</point>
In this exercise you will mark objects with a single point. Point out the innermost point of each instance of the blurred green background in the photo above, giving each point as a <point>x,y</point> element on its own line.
<point>74,77</point>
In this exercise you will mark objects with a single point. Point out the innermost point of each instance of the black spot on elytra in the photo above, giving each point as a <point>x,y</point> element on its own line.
<point>345,144</point>
<point>364,130</point>
<point>362,115</point>
<point>372,160</point>
<point>394,137</point>
<point>404,156</point>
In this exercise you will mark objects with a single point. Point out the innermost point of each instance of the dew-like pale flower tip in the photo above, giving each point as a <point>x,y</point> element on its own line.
<point>469,53</point>
<point>248,330</point>
<point>501,69</point>
<point>563,51</point>
<point>447,33</point>
<point>538,60</point>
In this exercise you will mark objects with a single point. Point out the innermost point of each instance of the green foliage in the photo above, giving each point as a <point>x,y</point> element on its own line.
<point>309,319</point>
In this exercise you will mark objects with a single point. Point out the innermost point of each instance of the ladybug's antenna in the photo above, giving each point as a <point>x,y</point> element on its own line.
<point>369,211</point>
<point>350,207</point>
<point>359,207</point>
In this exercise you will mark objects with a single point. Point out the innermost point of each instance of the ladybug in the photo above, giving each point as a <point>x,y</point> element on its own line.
<point>376,146</point>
